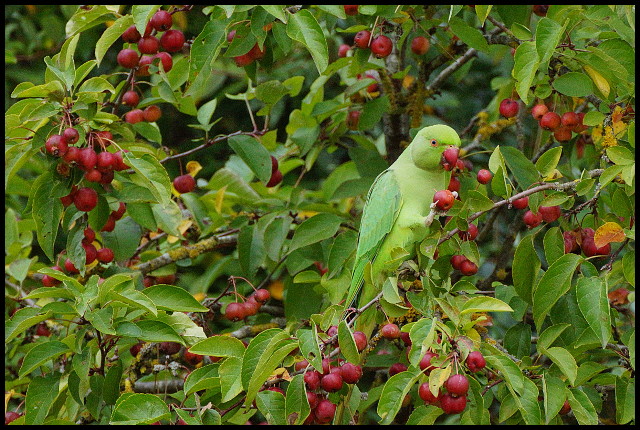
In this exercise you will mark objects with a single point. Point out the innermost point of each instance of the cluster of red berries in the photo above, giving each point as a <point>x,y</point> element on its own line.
<point>582,239</point>
<point>149,114</point>
<point>237,311</point>
<point>545,213</point>
<point>381,46</point>
<point>561,126</point>
<point>149,45</point>
<point>276,174</point>
<point>463,264</point>
<point>454,400</point>
<point>254,53</point>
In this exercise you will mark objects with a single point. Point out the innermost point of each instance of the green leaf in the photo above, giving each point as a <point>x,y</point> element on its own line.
<point>484,304</point>
<point>554,284</point>
<point>251,249</point>
<point>482,10</point>
<point>41,394</point>
<point>372,112</point>
<point>625,400</point>
<point>206,111</point>
<point>150,174</point>
<point>478,201</point>
<point>111,34</point>
<point>620,155</point>
<point>593,118</point>
<point>422,334</point>
<point>393,393</point>
<point>522,168</point>
<point>135,408</point>
<point>553,245</point>
<point>276,10</point>
<point>318,227</point>
<point>517,340</point>
<point>528,403</point>
<point>573,84</point>
<point>297,407</point>
<point>219,346</point>
<point>41,354</point>
<point>126,293</point>
<point>157,331</point>
<point>142,14</point>
<point>554,396</point>
<point>509,370</point>
<point>15,157</point>
<point>347,343</point>
<point>172,298</point>
<point>47,210</point>
<point>629,267</point>
<point>591,294</point>
<point>525,268</point>
<point>548,161</point>
<point>254,154</point>
<point>565,361</point>
<point>548,35</point>
<point>83,20</point>
<point>582,408</point>
<point>22,320</point>
<point>424,415</point>
<point>111,389</point>
<point>469,35</point>
<point>230,378</point>
<point>549,335</point>
<point>272,405</point>
<point>204,51</point>
<point>308,341</point>
<point>204,378</point>
<point>303,27</point>
<point>526,62</point>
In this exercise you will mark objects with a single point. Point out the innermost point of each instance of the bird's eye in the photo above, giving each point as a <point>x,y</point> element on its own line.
<point>434,142</point>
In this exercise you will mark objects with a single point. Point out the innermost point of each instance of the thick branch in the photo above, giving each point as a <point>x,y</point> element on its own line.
<point>164,386</point>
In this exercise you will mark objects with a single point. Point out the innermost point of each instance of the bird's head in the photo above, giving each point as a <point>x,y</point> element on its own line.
<point>430,143</point>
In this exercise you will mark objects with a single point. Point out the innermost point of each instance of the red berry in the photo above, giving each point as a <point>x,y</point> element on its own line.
<point>566,408</point>
<point>475,361</point>
<point>381,46</point>
<point>313,399</point>
<point>192,358</point>
<point>128,58</point>
<point>131,98</point>
<point>231,35</point>
<point>353,118</point>
<point>72,154</point>
<point>150,44</point>
<point>550,213</point>
<point>152,113</point>
<point>85,199</point>
<point>87,159</point>
<point>453,405</point>
<point>425,394</point>
<point>540,9</point>
<point>312,379</point>
<point>325,411</point>
<point>580,127</point>
<point>351,373</point>
<point>509,108</point>
<point>69,267</point>
<point>250,307</point>
<point>105,255</point>
<point>243,60</point>
<point>134,116</point>
<point>484,176</point>
<point>604,250</point>
<point>169,348</point>
<point>362,39</point>
<point>457,385</point>
<point>397,368</point>
<point>343,50</point>
<point>420,45</point>
<point>570,120</point>
<point>70,135</point>
<point>550,121</point>
<point>42,330</point>
<point>450,155</point>
<point>444,200</point>
<point>143,65</point>
<point>93,175</point>
<point>107,177</point>
<point>166,279</point>
<point>361,340</point>
<point>570,243</point>
<point>56,145</point>
<point>119,163</point>
<point>50,281</point>
<point>351,9</point>
<point>538,111</point>
<point>89,235</point>
<point>532,220</point>
<point>425,362</point>
<point>454,184</point>
<point>184,184</point>
<point>390,331</point>
<point>470,234</point>
<point>120,212</point>
<point>262,295</point>
<point>234,312</point>
<point>589,246</point>
<point>562,134</point>
<point>276,178</point>
<point>172,41</point>
<point>165,58</point>
<point>131,35</point>
<point>105,161</point>
<point>255,52</point>
<point>520,203</point>
<point>468,268</point>
<point>301,365</point>
<point>135,349</point>
<point>90,253</point>
<point>161,20</point>
<point>457,260</point>
<point>331,382</point>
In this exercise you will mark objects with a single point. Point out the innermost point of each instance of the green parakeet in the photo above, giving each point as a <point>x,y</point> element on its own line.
<point>395,214</point>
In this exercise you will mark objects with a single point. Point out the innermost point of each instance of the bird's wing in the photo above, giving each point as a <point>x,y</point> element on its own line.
<point>381,209</point>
